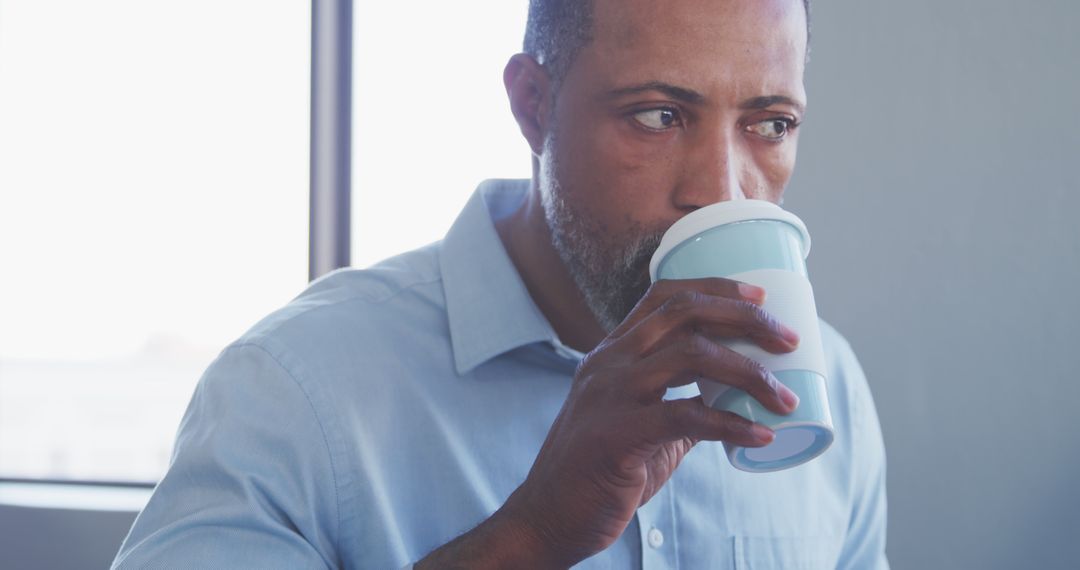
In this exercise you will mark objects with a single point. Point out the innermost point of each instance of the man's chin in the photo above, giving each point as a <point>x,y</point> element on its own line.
<point>611,293</point>
<point>624,302</point>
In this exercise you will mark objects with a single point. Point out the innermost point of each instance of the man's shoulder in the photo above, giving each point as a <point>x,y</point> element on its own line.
<point>846,380</point>
<point>849,390</point>
<point>348,304</point>
<point>838,351</point>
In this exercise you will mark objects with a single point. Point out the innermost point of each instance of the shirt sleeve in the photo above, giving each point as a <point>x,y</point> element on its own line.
<point>251,484</point>
<point>864,546</point>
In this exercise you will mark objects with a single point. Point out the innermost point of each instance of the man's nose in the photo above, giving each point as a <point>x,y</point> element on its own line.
<point>713,175</point>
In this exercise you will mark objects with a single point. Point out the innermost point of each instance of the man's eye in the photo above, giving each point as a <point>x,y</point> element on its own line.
<point>772,129</point>
<point>658,119</point>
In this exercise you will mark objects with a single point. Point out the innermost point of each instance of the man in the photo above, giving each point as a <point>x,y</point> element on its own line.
<point>437,409</point>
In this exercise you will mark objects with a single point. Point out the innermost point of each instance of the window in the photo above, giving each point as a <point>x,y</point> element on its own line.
<point>153,206</point>
<point>431,119</point>
<point>154,188</point>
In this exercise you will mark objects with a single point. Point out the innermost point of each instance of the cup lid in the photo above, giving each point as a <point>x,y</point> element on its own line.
<point>723,213</point>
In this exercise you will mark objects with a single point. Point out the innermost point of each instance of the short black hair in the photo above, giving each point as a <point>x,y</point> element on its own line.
<point>557,30</point>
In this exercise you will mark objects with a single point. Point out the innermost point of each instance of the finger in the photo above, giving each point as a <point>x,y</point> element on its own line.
<point>691,311</point>
<point>660,291</point>
<point>676,419</point>
<point>695,356</point>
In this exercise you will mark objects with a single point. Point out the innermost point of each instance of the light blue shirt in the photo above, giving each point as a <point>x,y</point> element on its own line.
<point>385,411</point>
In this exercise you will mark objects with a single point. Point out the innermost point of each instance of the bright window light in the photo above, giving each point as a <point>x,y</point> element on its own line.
<point>154,187</point>
<point>430,116</point>
<point>153,206</point>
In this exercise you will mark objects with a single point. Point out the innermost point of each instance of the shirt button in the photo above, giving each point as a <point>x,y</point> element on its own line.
<point>656,538</point>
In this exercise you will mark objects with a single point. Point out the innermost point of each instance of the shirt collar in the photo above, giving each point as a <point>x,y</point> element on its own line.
<point>489,309</point>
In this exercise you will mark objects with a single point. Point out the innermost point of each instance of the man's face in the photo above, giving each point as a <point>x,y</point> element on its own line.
<point>673,106</point>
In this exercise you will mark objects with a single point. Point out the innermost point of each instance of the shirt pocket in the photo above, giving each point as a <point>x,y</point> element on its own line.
<point>786,553</point>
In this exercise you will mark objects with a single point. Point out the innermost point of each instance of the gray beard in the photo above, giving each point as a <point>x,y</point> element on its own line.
<point>610,271</point>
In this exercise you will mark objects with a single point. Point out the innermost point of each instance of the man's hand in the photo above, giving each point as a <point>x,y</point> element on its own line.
<point>616,441</point>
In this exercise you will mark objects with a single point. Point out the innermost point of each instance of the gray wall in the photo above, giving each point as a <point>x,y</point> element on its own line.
<point>938,174</point>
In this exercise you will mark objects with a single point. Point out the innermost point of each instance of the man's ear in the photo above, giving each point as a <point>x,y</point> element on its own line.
<point>528,87</point>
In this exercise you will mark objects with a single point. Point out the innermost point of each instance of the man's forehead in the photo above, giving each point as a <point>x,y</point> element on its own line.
<point>700,42</point>
<point>703,23</point>
<point>638,16</point>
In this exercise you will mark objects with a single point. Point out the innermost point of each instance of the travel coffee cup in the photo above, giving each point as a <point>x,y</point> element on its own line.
<point>757,242</point>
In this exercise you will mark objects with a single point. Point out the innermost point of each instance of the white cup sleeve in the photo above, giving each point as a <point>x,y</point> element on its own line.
<point>789,298</point>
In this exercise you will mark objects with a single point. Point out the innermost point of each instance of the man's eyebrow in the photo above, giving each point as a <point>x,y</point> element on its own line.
<point>768,101</point>
<point>673,91</point>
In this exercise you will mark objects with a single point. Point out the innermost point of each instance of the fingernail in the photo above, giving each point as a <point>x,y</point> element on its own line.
<point>762,433</point>
<point>791,399</point>
<point>789,335</point>
<point>752,292</point>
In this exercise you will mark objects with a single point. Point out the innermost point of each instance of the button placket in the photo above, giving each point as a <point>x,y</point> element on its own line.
<point>655,527</point>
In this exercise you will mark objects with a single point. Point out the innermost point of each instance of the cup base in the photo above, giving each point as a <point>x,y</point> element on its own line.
<point>794,445</point>
<point>800,436</point>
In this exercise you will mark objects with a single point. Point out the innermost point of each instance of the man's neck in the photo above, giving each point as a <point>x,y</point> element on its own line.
<point>527,239</point>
